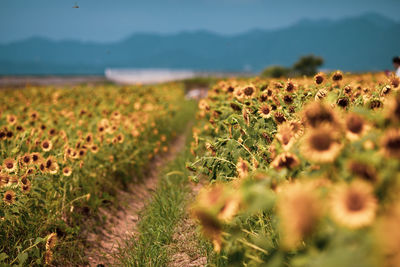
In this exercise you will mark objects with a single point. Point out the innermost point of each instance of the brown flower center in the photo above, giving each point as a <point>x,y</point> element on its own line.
<point>393,143</point>
<point>321,141</point>
<point>355,202</point>
<point>355,124</point>
<point>9,165</point>
<point>9,197</point>
<point>248,91</point>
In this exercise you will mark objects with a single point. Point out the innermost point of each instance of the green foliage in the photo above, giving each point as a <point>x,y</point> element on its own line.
<point>305,66</point>
<point>128,125</point>
<point>268,162</point>
<point>275,72</point>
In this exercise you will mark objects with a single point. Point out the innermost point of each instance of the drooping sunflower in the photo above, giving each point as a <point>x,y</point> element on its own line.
<point>242,167</point>
<point>353,205</point>
<point>51,241</point>
<point>285,135</point>
<point>285,160</point>
<point>321,144</point>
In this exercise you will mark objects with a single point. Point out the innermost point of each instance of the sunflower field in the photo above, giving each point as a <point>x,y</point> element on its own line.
<point>302,172</point>
<point>63,151</point>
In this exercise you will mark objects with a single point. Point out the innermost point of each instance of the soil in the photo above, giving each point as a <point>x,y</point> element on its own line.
<point>185,246</point>
<point>121,222</point>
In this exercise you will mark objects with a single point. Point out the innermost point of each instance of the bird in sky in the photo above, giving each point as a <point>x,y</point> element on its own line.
<point>75,6</point>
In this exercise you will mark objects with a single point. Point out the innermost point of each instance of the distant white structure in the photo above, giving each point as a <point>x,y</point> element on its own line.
<point>147,76</point>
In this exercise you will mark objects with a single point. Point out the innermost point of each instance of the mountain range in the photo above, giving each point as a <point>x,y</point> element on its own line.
<point>363,43</point>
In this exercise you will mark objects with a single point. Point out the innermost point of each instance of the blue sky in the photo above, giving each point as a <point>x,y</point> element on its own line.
<point>112,20</point>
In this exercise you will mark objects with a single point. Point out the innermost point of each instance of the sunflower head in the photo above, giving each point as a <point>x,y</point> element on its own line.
<point>390,143</point>
<point>319,78</point>
<point>321,144</point>
<point>9,165</point>
<point>337,76</point>
<point>318,113</point>
<point>353,205</point>
<point>9,197</point>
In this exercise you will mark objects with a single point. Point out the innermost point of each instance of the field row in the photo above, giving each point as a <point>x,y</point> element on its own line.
<point>303,172</point>
<point>63,153</point>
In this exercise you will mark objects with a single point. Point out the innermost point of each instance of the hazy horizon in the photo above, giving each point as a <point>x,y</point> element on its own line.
<point>107,21</point>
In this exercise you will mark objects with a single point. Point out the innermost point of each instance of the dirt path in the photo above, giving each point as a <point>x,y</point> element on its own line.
<point>121,221</point>
<point>185,247</point>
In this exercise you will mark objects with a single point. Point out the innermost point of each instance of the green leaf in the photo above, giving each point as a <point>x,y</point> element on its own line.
<point>3,256</point>
<point>22,257</point>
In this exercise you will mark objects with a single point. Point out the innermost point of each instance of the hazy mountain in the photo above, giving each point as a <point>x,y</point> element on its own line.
<point>367,42</point>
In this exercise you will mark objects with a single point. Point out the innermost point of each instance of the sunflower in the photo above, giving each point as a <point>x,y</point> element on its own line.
<point>290,86</point>
<point>94,148</point>
<point>3,135</point>
<point>337,76</point>
<point>4,180</point>
<point>318,113</point>
<point>46,145</point>
<point>390,143</point>
<point>285,160</point>
<point>285,135</point>
<point>299,212</point>
<point>11,119</point>
<point>363,170</point>
<point>297,128</point>
<point>9,197</point>
<point>353,205</point>
<point>279,117</point>
<point>9,165</point>
<point>321,94</point>
<point>120,138</point>
<point>321,144</point>
<point>355,126</point>
<point>51,241</point>
<point>26,159</point>
<point>67,171</point>
<point>249,91</point>
<point>26,186</point>
<point>229,209</point>
<point>242,167</point>
<point>319,78</point>
<point>51,165</point>
<point>265,111</point>
<point>36,157</point>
